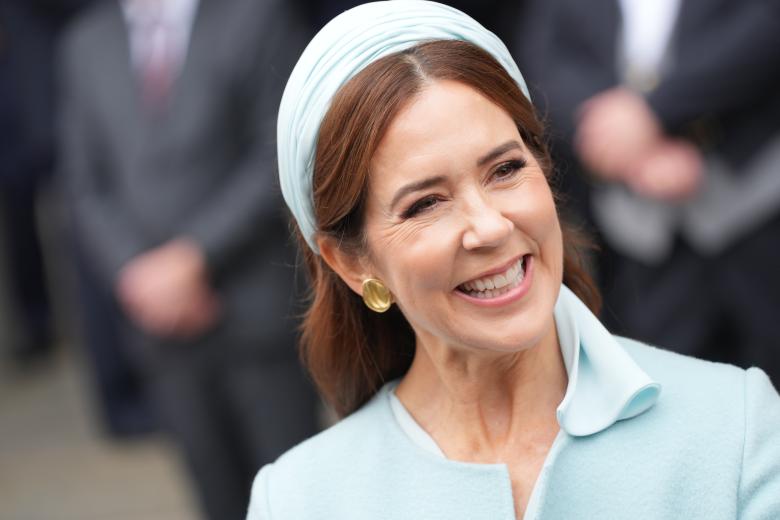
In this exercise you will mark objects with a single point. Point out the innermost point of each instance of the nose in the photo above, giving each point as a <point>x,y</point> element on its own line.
<point>486,226</point>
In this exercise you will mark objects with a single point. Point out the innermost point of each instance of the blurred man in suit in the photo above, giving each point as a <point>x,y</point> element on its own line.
<point>168,121</point>
<point>28,32</point>
<point>671,108</point>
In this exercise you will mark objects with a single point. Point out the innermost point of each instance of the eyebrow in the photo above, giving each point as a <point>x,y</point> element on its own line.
<point>416,186</point>
<point>498,151</point>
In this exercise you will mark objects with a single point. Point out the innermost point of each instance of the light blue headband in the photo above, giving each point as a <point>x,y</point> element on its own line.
<point>345,46</point>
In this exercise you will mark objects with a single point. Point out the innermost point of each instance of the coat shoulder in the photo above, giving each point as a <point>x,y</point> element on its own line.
<point>672,368</point>
<point>317,469</point>
<point>695,393</point>
<point>333,446</point>
<point>86,34</point>
<point>93,20</point>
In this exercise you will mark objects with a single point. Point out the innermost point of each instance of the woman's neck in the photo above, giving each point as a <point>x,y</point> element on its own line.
<point>479,406</point>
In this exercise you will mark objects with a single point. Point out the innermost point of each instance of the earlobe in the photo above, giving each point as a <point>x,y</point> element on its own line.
<point>354,273</point>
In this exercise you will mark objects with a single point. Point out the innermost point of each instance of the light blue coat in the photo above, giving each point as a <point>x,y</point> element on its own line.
<point>705,447</point>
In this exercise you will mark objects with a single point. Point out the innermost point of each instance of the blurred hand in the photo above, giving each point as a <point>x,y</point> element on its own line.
<point>615,127</point>
<point>166,290</point>
<point>671,170</point>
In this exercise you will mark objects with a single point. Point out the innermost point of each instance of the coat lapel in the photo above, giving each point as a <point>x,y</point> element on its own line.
<point>119,92</point>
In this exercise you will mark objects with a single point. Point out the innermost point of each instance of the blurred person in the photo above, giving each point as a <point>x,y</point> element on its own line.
<point>672,108</point>
<point>28,31</point>
<point>167,134</point>
<point>452,321</point>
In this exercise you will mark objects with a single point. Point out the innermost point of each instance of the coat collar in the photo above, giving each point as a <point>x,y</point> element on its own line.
<point>605,383</point>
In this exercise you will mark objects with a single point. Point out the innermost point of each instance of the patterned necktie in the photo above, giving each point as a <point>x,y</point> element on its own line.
<point>156,65</point>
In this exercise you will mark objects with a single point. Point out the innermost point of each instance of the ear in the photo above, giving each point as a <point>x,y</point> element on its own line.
<point>350,267</point>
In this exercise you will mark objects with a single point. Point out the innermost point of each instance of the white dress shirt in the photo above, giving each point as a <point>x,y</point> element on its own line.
<point>159,30</point>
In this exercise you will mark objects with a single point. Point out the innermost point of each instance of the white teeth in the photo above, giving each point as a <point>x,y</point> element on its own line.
<point>496,285</point>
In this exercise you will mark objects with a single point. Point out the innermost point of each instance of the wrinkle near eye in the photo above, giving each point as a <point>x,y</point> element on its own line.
<point>396,235</point>
<point>394,231</point>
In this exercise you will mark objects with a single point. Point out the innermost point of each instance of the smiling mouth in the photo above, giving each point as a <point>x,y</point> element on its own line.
<point>497,284</point>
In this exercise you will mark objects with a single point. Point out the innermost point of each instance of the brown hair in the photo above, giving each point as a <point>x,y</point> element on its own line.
<point>349,350</point>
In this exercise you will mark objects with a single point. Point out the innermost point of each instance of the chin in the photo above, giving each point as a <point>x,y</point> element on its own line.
<point>504,341</point>
<point>519,333</point>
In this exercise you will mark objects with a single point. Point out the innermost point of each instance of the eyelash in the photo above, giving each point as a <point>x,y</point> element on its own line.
<point>419,206</point>
<point>508,168</point>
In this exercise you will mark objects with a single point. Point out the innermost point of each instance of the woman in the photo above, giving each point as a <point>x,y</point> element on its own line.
<point>451,319</point>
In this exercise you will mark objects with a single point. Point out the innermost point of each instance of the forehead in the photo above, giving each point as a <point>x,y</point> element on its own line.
<point>447,126</point>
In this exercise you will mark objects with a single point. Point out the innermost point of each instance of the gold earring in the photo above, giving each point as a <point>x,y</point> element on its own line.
<point>376,296</point>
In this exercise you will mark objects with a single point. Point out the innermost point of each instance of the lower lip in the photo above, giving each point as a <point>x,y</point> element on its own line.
<point>508,297</point>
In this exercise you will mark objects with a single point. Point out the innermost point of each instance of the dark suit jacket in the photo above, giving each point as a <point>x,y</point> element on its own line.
<point>720,87</point>
<point>203,168</point>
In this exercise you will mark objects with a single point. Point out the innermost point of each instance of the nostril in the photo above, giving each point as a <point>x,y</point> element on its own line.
<point>489,229</point>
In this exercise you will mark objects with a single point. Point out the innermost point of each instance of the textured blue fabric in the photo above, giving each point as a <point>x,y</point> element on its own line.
<point>709,448</point>
<point>344,47</point>
<point>604,383</point>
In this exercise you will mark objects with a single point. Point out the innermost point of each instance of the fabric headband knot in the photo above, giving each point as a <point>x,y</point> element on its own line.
<point>345,46</point>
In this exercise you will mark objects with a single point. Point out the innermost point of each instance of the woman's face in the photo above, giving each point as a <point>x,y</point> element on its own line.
<point>461,224</point>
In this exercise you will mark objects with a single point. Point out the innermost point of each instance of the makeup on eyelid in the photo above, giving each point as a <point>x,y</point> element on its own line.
<point>414,209</point>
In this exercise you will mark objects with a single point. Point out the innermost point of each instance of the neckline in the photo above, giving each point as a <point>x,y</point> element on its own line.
<point>604,384</point>
<point>498,470</point>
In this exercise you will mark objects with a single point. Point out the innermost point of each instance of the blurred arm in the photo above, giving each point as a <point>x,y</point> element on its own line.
<point>106,233</point>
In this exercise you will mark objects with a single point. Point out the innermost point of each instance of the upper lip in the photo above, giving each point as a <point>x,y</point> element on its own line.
<point>495,270</point>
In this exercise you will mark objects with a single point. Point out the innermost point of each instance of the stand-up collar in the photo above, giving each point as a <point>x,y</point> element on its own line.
<point>605,384</point>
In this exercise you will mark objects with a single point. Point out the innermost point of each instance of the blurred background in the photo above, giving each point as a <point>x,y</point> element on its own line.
<point>147,285</point>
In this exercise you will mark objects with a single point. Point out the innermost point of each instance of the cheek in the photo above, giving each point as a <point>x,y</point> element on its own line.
<point>556,251</point>
<point>416,256</point>
<point>419,266</point>
<point>418,272</point>
<point>549,227</point>
<point>552,248</point>
<point>532,210</point>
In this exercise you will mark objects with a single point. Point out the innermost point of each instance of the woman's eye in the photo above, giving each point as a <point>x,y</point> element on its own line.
<point>507,169</point>
<point>420,206</point>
